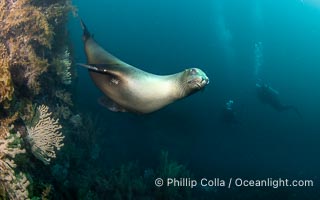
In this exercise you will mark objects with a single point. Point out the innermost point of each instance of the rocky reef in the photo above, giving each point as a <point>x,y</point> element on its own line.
<point>27,35</point>
<point>31,40</point>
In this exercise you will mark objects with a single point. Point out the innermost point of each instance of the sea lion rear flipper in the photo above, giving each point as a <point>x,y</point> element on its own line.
<point>86,33</point>
<point>111,105</point>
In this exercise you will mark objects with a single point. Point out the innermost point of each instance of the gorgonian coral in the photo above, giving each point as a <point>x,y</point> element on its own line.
<point>62,65</point>
<point>45,137</point>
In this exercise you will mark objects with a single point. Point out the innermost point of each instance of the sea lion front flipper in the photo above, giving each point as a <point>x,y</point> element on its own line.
<point>114,70</point>
<point>111,105</point>
<point>103,68</point>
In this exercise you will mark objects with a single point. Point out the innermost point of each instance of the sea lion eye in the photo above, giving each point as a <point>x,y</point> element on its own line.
<point>193,71</point>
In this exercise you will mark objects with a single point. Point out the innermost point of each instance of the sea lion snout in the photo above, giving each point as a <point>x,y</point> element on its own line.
<point>198,77</point>
<point>205,80</point>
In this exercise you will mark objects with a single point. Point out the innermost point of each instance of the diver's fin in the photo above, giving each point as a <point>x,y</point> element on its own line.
<point>86,33</point>
<point>111,105</point>
<point>295,109</point>
<point>297,112</point>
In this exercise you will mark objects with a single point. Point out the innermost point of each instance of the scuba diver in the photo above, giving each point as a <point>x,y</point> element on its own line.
<point>228,113</point>
<point>268,95</point>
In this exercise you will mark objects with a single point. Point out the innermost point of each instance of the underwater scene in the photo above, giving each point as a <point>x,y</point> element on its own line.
<point>159,100</point>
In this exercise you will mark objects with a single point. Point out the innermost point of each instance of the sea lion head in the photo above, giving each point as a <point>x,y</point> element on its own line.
<point>193,80</point>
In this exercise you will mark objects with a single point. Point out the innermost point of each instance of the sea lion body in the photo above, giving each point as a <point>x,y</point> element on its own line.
<point>128,88</point>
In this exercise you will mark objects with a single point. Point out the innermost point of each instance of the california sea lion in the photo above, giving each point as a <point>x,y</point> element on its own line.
<point>128,88</point>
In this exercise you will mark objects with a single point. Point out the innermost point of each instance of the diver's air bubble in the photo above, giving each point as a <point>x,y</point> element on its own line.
<point>258,53</point>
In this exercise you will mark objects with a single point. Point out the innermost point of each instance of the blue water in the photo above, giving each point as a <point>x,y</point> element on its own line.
<point>220,37</point>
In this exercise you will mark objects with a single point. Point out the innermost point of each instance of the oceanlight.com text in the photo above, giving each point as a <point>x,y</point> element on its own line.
<point>232,182</point>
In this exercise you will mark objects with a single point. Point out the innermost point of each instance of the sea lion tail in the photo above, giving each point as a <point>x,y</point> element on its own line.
<point>86,33</point>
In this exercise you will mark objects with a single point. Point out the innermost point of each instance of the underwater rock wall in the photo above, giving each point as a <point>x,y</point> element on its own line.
<point>28,34</point>
<point>33,37</point>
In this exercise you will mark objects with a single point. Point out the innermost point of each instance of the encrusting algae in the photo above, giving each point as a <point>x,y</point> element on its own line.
<point>6,87</point>
<point>25,31</point>
<point>64,96</point>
